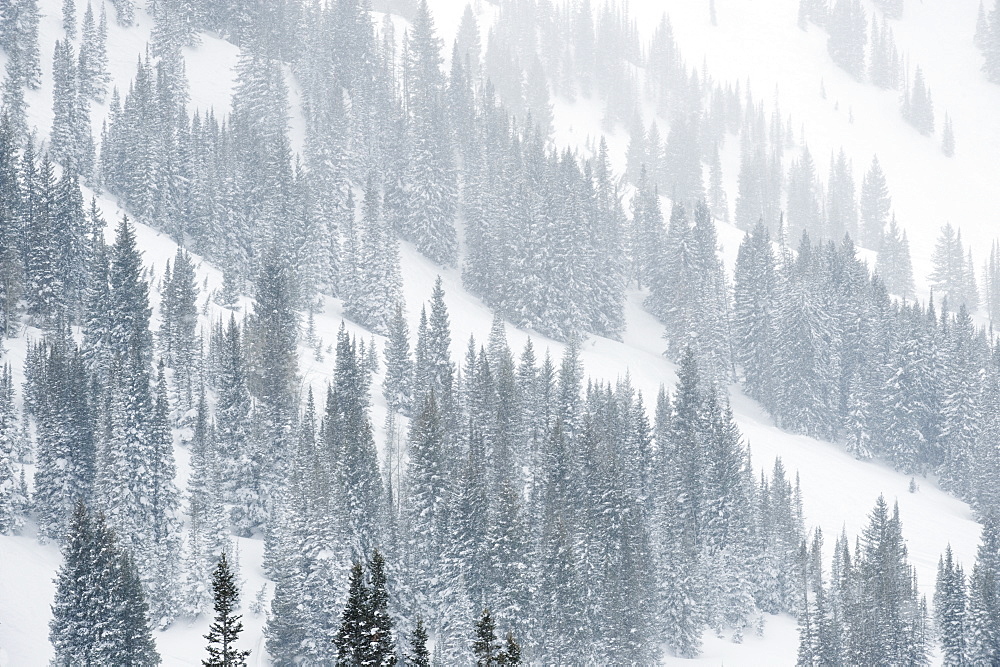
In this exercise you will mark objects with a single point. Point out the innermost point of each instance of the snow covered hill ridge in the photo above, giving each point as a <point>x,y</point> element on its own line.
<point>347,186</point>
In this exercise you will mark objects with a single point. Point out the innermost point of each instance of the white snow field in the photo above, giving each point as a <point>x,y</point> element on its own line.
<point>755,40</point>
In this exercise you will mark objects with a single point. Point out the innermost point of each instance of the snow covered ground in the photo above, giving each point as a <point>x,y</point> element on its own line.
<point>752,39</point>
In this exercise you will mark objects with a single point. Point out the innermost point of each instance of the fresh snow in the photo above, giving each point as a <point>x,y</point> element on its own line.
<point>758,41</point>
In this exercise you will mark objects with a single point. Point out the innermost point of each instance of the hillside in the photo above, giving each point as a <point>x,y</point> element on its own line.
<point>755,41</point>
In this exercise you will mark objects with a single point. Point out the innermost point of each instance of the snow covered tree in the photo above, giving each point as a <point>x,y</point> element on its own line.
<point>13,500</point>
<point>273,336</point>
<point>875,206</point>
<point>890,618</point>
<point>365,634</point>
<point>208,527</point>
<point>951,275</point>
<point>803,210</point>
<point>349,430</point>
<point>99,615</point>
<point>418,654</point>
<point>177,335</point>
<point>991,45</point>
<point>983,622</point>
<point>754,323</point>
<point>918,109</point>
<point>239,458</point>
<point>950,609</point>
<point>689,292</point>
<point>378,276</point>
<point>893,264</point>
<point>841,202</point>
<point>225,630</point>
<point>69,18</point>
<point>948,138</point>
<point>397,387</point>
<point>19,38</point>
<point>848,28</point>
<point>432,187</point>
<point>125,11</point>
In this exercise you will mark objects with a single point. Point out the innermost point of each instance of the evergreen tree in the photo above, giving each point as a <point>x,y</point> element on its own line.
<point>177,332</point>
<point>803,203</point>
<point>382,644</point>
<point>69,18</point>
<point>991,45</point>
<point>352,638</point>
<point>950,276</point>
<point>874,207</point>
<point>99,615</point>
<point>848,27</point>
<point>418,655</point>
<point>273,336</point>
<point>841,202</point>
<point>983,623</point>
<point>950,609</point>
<point>918,108</point>
<point>754,323</point>
<point>397,387</point>
<point>225,630</point>
<point>486,647</point>
<point>893,263</point>
<point>19,34</point>
<point>433,189</point>
<point>948,138</point>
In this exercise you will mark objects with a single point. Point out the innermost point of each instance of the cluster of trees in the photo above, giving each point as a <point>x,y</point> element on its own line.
<point>891,379</point>
<point>987,38</point>
<point>519,488</point>
<point>100,615</point>
<point>954,273</point>
<point>590,531</point>
<point>847,24</point>
<point>869,611</point>
<point>967,609</point>
<point>406,135</point>
<point>850,37</point>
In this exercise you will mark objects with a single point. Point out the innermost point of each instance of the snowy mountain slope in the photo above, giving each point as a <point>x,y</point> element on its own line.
<point>838,491</point>
<point>790,67</point>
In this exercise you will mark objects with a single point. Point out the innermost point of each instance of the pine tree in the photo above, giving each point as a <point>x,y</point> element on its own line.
<point>418,655</point>
<point>179,320</point>
<point>273,336</point>
<point>848,27</point>
<point>19,32</point>
<point>352,638</point>
<point>486,647</point>
<point>397,387</point>
<point>754,315</point>
<point>918,108</point>
<point>433,189</point>
<point>841,202</point>
<point>950,276</point>
<point>948,138</point>
<point>991,45</point>
<point>893,264</point>
<point>225,630</point>
<point>983,631</point>
<point>12,501</point>
<point>803,203</point>
<point>950,609</point>
<point>875,206</point>
<point>69,18</point>
<point>382,645</point>
<point>99,615</point>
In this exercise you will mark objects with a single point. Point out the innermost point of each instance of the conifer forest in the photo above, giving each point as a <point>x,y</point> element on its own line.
<point>499,332</point>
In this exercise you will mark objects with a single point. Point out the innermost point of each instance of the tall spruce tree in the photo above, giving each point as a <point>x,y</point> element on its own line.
<point>225,630</point>
<point>99,615</point>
